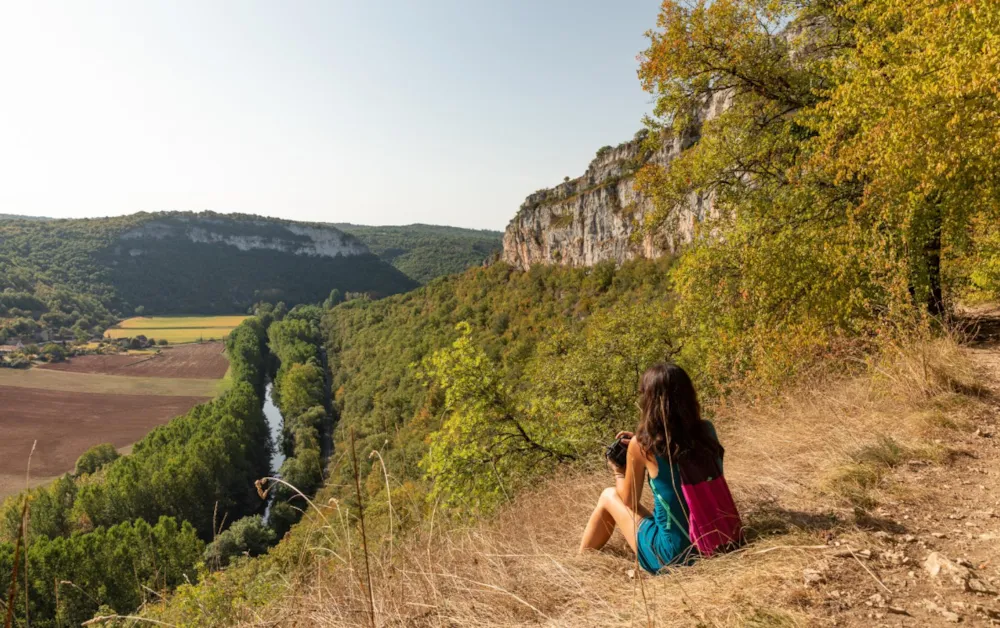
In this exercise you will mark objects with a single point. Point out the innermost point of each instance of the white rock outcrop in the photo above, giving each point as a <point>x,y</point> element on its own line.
<point>297,239</point>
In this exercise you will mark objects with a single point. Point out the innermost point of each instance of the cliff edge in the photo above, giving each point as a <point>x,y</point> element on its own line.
<point>598,217</point>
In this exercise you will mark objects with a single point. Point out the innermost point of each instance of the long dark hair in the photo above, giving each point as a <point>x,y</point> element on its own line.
<point>670,421</point>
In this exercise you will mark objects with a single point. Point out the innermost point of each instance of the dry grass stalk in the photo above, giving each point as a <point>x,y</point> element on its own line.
<point>364,537</point>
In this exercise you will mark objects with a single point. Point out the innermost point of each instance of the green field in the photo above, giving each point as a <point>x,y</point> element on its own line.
<point>177,329</point>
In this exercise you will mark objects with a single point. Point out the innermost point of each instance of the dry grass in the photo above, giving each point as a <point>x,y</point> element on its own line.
<point>804,468</point>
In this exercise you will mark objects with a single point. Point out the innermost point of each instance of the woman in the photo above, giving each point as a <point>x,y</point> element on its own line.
<point>670,424</point>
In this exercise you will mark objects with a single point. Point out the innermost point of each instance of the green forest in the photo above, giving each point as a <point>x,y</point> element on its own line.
<point>425,252</point>
<point>74,278</point>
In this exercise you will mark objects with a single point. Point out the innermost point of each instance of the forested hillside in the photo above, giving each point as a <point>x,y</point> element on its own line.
<point>74,277</point>
<point>20,217</point>
<point>424,252</point>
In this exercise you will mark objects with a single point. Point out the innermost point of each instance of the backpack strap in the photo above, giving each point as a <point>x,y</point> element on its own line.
<point>670,513</point>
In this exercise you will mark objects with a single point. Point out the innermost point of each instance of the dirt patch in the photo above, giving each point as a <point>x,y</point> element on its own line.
<point>196,361</point>
<point>66,424</point>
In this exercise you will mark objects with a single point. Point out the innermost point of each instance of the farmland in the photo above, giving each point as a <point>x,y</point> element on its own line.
<point>71,406</point>
<point>67,423</point>
<point>176,329</point>
<point>191,361</point>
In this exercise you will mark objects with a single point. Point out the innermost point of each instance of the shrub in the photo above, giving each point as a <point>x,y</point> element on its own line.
<point>249,536</point>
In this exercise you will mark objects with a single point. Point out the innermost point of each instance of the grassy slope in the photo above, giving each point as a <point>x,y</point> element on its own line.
<point>834,478</point>
<point>424,252</point>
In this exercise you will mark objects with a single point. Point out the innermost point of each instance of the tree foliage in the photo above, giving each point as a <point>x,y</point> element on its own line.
<point>95,458</point>
<point>118,567</point>
<point>845,155</point>
<point>426,252</point>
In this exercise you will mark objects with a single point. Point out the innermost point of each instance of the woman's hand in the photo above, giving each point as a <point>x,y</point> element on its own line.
<point>625,436</point>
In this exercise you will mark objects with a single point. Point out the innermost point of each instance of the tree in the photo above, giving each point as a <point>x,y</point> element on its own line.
<point>248,536</point>
<point>140,310</point>
<point>95,458</point>
<point>334,299</point>
<point>490,440</point>
<point>53,352</point>
<point>808,163</point>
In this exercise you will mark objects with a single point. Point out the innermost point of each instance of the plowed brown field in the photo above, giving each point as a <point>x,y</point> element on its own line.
<point>66,424</point>
<point>194,361</point>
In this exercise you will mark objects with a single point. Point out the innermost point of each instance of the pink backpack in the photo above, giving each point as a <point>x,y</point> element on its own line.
<point>714,524</point>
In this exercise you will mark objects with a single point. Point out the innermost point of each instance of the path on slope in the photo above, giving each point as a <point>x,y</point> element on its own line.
<point>934,556</point>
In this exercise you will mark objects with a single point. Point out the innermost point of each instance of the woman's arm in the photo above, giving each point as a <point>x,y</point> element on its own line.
<point>629,484</point>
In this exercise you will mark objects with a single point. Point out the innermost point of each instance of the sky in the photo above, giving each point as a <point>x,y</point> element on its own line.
<point>373,112</point>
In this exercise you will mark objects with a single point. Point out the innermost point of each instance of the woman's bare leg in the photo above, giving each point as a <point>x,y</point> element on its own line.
<point>611,511</point>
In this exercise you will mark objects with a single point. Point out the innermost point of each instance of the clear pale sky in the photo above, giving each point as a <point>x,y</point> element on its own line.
<point>373,112</point>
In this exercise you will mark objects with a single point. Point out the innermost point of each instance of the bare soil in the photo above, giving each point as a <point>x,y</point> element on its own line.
<point>194,361</point>
<point>66,424</point>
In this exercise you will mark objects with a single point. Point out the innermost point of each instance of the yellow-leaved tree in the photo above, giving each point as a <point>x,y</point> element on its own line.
<point>848,150</point>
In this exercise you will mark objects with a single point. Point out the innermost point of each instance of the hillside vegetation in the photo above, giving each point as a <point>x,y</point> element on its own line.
<point>425,252</point>
<point>75,277</point>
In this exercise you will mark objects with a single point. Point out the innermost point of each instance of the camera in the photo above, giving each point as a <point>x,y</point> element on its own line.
<point>617,452</point>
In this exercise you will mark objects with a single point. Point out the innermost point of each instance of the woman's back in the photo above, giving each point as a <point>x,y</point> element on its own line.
<point>668,538</point>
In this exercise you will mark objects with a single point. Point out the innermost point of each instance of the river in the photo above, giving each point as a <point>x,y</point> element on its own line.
<point>274,424</point>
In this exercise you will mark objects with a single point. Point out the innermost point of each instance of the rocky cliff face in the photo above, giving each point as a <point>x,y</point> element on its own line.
<point>246,235</point>
<point>597,217</point>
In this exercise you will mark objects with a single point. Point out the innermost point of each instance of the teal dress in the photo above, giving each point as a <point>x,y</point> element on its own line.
<point>662,539</point>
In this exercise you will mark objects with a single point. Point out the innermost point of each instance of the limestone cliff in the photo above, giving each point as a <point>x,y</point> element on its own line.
<point>597,217</point>
<point>246,235</point>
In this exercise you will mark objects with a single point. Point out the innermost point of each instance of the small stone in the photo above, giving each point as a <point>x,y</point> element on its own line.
<point>909,538</point>
<point>631,574</point>
<point>813,577</point>
<point>942,611</point>
<point>897,610</point>
<point>975,585</point>
<point>939,535</point>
